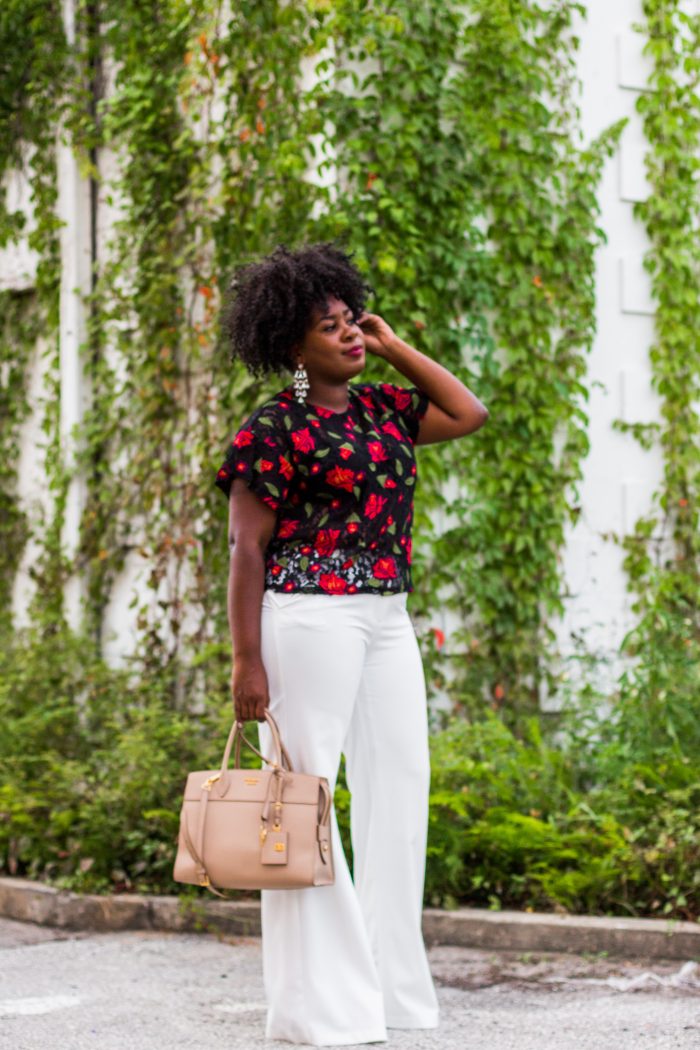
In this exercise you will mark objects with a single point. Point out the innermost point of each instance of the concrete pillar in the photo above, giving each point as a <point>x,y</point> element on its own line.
<point>74,208</point>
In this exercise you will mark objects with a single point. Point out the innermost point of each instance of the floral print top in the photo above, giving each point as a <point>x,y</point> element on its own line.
<point>342,484</point>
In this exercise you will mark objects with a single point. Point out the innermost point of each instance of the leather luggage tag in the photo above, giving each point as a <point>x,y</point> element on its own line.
<point>274,849</point>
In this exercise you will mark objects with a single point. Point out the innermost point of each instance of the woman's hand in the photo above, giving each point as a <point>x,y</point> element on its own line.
<point>379,336</point>
<point>249,690</point>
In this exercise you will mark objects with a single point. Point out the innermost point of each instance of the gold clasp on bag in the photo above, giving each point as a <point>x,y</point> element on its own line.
<point>263,833</point>
<point>206,786</point>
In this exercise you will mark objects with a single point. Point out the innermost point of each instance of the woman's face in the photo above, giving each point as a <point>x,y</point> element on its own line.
<point>333,349</point>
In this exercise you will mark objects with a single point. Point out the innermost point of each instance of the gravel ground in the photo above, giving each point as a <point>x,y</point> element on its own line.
<point>155,991</point>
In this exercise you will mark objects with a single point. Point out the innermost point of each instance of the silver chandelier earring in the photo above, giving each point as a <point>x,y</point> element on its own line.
<point>301,383</point>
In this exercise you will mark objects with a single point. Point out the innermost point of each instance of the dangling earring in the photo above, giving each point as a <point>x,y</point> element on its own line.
<point>301,383</point>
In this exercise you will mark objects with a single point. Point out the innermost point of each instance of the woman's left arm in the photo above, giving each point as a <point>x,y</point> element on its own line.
<point>453,410</point>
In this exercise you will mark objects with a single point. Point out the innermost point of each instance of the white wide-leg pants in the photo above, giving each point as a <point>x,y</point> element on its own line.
<point>342,963</point>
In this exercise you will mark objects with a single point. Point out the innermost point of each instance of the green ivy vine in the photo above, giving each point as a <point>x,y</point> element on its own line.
<point>469,200</point>
<point>33,74</point>
<point>663,552</point>
<point>473,206</point>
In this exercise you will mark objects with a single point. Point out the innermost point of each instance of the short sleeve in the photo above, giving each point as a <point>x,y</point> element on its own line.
<point>260,454</point>
<point>410,404</point>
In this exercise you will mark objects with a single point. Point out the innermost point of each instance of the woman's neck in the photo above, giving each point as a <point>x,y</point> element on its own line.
<point>333,396</point>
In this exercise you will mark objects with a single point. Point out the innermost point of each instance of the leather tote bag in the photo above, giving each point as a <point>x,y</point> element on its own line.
<point>251,829</point>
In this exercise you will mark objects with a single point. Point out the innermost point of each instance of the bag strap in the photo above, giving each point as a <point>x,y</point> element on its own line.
<point>197,851</point>
<point>281,760</point>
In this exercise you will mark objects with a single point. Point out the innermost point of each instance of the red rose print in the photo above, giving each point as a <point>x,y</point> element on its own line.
<point>314,566</point>
<point>223,473</point>
<point>413,469</point>
<point>241,467</point>
<point>265,464</point>
<point>306,549</point>
<point>289,586</point>
<point>270,502</point>
<point>315,468</point>
<point>276,570</point>
<point>302,440</point>
<point>286,468</point>
<point>400,397</point>
<point>242,438</point>
<point>352,589</point>
<point>286,529</point>
<point>345,453</point>
<point>325,413</point>
<point>366,400</point>
<point>376,451</point>
<point>332,584</point>
<point>315,422</point>
<point>271,442</point>
<point>409,545</point>
<point>335,503</point>
<point>352,526</point>
<point>341,478</point>
<point>374,505</point>
<point>391,428</point>
<point>348,564</point>
<point>327,541</point>
<point>389,483</point>
<point>384,569</point>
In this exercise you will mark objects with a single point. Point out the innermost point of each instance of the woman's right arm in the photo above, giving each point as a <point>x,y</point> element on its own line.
<point>251,525</point>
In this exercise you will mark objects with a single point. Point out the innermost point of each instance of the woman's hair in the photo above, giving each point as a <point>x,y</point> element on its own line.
<point>269,303</point>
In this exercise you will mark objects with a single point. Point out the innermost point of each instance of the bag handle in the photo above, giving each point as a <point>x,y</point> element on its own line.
<point>281,760</point>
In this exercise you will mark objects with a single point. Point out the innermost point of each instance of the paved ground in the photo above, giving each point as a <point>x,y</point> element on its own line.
<point>155,991</point>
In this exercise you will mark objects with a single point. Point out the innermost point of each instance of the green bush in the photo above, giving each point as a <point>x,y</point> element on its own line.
<point>92,767</point>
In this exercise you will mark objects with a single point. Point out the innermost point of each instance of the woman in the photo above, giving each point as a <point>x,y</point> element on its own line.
<point>320,480</point>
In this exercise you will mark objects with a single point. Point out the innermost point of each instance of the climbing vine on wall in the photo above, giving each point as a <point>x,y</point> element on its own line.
<point>663,552</point>
<point>473,203</point>
<point>469,200</point>
<point>32,76</point>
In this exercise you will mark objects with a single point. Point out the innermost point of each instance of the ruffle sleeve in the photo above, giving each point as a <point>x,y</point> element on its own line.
<point>260,453</point>
<point>409,403</point>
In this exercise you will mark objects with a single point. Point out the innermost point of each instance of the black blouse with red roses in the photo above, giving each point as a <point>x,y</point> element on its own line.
<point>342,484</point>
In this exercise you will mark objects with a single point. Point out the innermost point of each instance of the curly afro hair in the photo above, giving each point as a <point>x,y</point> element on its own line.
<point>269,304</point>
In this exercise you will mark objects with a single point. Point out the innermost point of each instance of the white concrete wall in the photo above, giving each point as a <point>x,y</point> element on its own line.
<point>619,476</point>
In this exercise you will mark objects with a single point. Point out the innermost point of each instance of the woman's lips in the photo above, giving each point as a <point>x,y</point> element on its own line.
<point>354,351</point>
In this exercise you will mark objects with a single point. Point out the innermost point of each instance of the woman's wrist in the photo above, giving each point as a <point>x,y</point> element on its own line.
<point>246,658</point>
<point>401,354</point>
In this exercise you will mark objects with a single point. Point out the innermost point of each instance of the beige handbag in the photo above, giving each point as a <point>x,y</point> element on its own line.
<point>250,829</point>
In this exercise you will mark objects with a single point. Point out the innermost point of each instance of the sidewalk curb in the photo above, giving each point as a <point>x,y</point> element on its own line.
<point>27,901</point>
